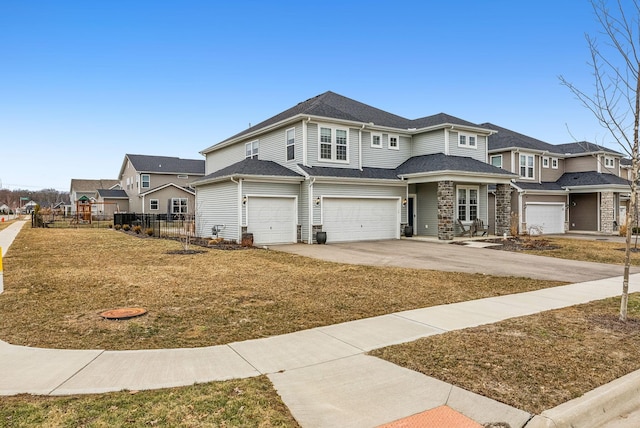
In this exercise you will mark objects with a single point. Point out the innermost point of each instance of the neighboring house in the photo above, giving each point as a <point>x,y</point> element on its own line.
<point>160,184</point>
<point>336,165</point>
<point>83,195</point>
<point>4,209</point>
<point>560,188</point>
<point>29,207</point>
<point>111,201</point>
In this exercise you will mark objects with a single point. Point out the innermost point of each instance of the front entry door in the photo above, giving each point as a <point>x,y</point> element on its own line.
<point>411,213</point>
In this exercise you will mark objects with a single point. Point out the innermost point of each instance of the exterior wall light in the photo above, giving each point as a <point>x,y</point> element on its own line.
<point>404,202</point>
<point>318,200</point>
<point>244,200</point>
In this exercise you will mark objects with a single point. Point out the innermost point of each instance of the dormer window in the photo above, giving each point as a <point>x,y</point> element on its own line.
<point>467,140</point>
<point>609,162</point>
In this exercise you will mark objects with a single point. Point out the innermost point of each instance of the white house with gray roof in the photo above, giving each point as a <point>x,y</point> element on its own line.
<point>559,188</point>
<point>356,172</point>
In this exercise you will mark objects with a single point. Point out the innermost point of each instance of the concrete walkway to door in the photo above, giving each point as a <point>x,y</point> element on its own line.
<point>423,254</point>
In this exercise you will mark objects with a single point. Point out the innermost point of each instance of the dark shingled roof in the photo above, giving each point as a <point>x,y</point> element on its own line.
<point>252,167</point>
<point>582,147</point>
<point>590,178</point>
<point>545,185</point>
<point>442,162</point>
<point>166,164</point>
<point>506,138</point>
<point>377,173</point>
<point>82,185</point>
<point>335,106</point>
<point>113,193</point>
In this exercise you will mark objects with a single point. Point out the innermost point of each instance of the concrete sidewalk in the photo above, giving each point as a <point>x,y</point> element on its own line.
<point>322,374</point>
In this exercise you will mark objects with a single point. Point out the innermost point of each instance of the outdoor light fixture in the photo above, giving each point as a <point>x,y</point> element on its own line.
<point>318,200</point>
<point>244,200</point>
<point>404,202</point>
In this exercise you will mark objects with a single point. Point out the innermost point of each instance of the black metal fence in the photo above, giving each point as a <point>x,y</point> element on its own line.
<point>158,225</point>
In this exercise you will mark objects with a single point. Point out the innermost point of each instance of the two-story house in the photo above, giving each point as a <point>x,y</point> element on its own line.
<point>160,184</point>
<point>356,172</point>
<point>86,200</point>
<point>566,187</point>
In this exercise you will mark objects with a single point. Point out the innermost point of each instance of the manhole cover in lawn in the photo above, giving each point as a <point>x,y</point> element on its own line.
<point>123,313</point>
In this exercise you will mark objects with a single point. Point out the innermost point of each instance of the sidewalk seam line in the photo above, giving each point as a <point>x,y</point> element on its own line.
<point>77,372</point>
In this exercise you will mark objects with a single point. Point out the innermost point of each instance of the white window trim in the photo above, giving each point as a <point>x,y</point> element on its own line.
<point>607,160</point>
<point>250,144</point>
<point>286,138</point>
<point>467,188</point>
<point>397,137</point>
<point>466,143</point>
<point>545,161</point>
<point>379,135</point>
<point>333,143</point>
<point>180,205</point>
<point>533,167</point>
<point>495,156</point>
<point>554,163</point>
<point>151,202</point>
<point>148,186</point>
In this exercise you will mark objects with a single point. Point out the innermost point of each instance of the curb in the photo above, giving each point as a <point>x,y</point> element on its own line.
<point>594,408</point>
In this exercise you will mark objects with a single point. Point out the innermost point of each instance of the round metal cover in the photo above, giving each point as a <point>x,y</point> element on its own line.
<point>123,313</point>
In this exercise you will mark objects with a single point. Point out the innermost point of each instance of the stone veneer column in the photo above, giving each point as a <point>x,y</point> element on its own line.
<point>446,208</point>
<point>606,212</point>
<point>503,209</point>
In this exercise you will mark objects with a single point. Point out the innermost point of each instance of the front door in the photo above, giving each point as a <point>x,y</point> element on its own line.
<point>411,213</point>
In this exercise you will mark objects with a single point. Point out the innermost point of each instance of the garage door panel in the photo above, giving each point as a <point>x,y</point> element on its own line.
<point>271,220</point>
<point>360,219</point>
<point>549,218</point>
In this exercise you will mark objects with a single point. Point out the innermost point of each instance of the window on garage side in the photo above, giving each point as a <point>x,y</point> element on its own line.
<point>179,205</point>
<point>154,204</point>
<point>393,142</point>
<point>496,161</point>
<point>467,203</point>
<point>334,144</point>
<point>291,144</point>
<point>526,166</point>
<point>146,181</point>
<point>252,149</point>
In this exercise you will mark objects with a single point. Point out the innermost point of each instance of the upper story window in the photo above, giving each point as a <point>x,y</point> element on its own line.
<point>376,140</point>
<point>467,203</point>
<point>251,150</point>
<point>146,181</point>
<point>334,144</point>
<point>291,144</point>
<point>554,163</point>
<point>467,140</point>
<point>393,142</point>
<point>154,204</point>
<point>545,162</point>
<point>526,166</point>
<point>609,162</point>
<point>496,160</point>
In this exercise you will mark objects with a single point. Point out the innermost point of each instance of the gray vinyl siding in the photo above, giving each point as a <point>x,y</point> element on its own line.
<point>428,143</point>
<point>427,209</point>
<point>478,153</point>
<point>224,157</point>
<point>269,189</point>
<point>355,191</point>
<point>217,204</point>
<point>303,210</point>
<point>384,157</point>
<point>313,146</point>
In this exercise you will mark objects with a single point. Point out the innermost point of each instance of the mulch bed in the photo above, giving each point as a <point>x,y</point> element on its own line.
<point>522,244</point>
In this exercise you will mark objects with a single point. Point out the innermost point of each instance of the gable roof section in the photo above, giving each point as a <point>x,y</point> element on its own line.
<point>113,193</point>
<point>440,162</point>
<point>590,178</point>
<point>365,173</point>
<point>164,186</point>
<point>545,186</point>
<point>250,167</point>
<point>164,164</point>
<point>82,185</point>
<point>583,147</point>
<point>506,138</point>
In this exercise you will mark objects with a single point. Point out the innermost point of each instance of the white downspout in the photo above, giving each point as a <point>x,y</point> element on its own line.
<point>310,237</point>
<point>239,183</point>
<point>520,212</point>
<point>360,147</point>
<point>304,142</point>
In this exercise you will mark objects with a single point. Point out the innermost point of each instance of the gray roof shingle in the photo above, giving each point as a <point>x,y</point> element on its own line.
<point>113,193</point>
<point>252,167</point>
<point>583,147</point>
<point>441,162</point>
<point>375,173</point>
<point>590,178</point>
<point>506,138</point>
<point>166,164</point>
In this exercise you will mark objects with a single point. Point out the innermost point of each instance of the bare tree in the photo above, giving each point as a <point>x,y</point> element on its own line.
<point>615,100</point>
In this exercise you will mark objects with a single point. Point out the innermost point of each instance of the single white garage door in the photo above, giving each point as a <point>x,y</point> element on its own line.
<point>272,220</point>
<point>360,219</point>
<point>545,218</point>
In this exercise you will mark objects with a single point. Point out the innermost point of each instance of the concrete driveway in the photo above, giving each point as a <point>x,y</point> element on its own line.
<point>456,258</point>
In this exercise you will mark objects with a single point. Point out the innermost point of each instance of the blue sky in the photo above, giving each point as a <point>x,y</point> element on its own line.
<point>82,83</point>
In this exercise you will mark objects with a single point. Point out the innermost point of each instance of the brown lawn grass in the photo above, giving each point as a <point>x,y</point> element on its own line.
<point>57,281</point>
<point>5,224</point>
<point>588,250</point>
<point>535,362</point>
<point>248,402</point>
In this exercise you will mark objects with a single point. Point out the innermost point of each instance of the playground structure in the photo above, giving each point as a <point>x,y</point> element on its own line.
<point>87,210</point>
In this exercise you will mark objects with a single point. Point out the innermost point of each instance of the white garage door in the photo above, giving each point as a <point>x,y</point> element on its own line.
<point>271,220</point>
<point>545,218</point>
<point>346,219</point>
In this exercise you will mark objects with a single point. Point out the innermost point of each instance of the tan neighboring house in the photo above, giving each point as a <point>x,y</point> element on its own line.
<point>160,184</point>
<point>84,195</point>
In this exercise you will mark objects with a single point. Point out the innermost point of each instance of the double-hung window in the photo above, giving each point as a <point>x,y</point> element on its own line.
<point>251,150</point>
<point>526,166</point>
<point>154,204</point>
<point>146,181</point>
<point>334,144</point>
<point>467,203</point>
<point>179,205</point>
<point>291,144</point>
